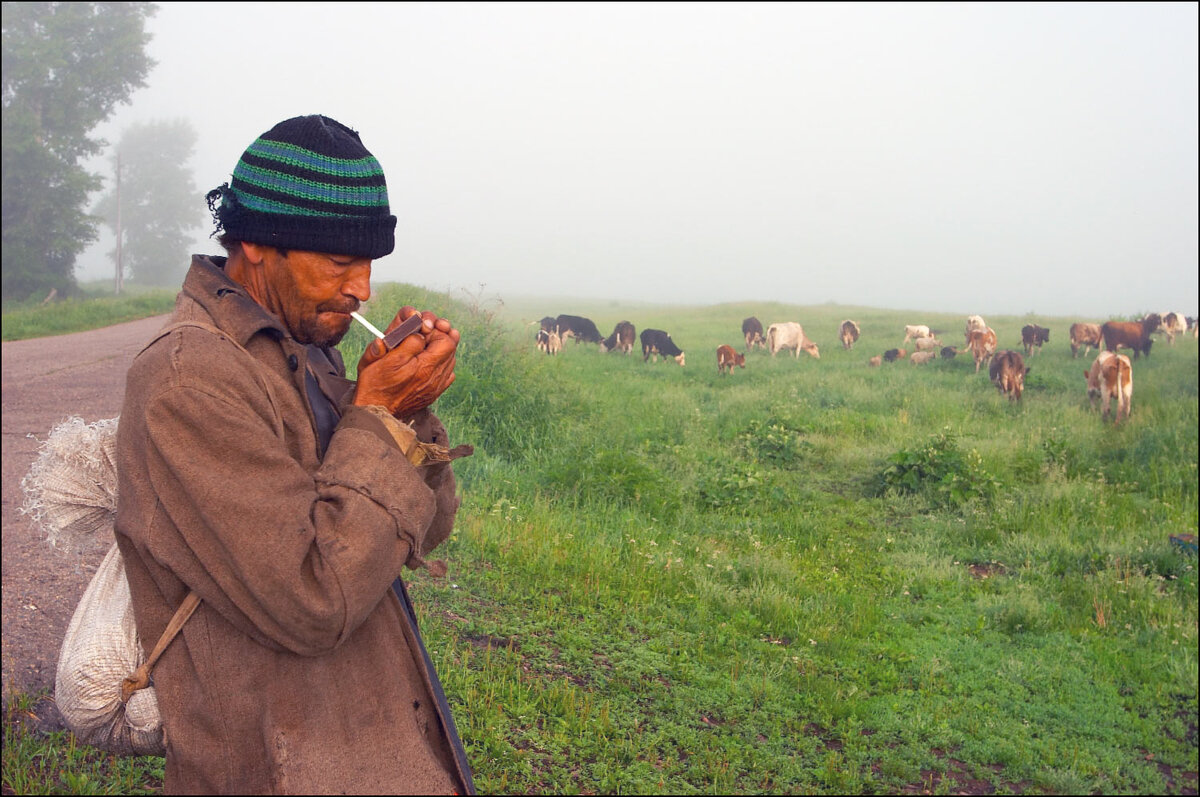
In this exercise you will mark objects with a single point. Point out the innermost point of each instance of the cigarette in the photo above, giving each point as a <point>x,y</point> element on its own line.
<point>370,327</point>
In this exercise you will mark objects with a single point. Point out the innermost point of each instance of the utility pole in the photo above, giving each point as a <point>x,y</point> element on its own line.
<point>119,282</point>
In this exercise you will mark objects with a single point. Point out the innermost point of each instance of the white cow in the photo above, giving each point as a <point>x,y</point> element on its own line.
<point>789,335</point>
<point>1173,324</point>
<point>974,322</point>
<point>915,331</point>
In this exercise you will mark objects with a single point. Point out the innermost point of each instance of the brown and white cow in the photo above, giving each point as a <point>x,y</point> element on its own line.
<point>752,331</point>
<point>1111,376</point>
<point>727,358</point>
<point>1033,335</point>
<point>982,345</point>
<point>790,335</point>
<point>848,333</point>
<point>1085,336</point>
<point>656,342</point>
<point>1130,334</point>
<point>912,331</point>
<point>1008,371</point>
<point>621,339</point>
<point>549,342</point>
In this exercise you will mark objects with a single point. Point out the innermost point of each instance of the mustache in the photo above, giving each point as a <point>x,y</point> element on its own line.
<point>347,308</point>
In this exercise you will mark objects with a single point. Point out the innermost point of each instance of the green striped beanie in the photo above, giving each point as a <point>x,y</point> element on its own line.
<point>308,184</point>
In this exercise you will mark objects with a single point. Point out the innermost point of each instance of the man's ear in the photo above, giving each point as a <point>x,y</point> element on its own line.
<point>254,253</point>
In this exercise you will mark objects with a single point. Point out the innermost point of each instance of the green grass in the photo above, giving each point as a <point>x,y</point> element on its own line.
<point>92,310</point>
<point>665,580</point>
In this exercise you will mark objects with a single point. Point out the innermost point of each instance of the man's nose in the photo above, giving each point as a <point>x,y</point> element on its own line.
<point>358,282</point>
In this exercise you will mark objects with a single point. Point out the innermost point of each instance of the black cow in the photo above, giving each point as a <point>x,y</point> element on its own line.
<point>752,331</point>
<point>1033,335</point>
<point>949,352</point>
<point>656,342</point>
<point>578,327</point>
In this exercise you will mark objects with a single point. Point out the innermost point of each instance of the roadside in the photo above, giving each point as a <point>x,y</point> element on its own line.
<point>46,380</point>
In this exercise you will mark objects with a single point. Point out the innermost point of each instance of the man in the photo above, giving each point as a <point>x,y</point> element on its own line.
<point>287,498</point>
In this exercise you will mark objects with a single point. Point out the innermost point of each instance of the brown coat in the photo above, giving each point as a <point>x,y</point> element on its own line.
<point>301,671</point>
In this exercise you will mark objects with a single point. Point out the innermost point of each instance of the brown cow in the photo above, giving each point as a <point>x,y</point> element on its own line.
<point>875,361</point>
<point>1086,336</point>
<point>982,346</point>
<point>1111,376</point>
<point>1008,371</point>
<point>849,333</point>
<point>727,358</point>
<point>1034,335</point>
<point>621,338</point>
<point>1130,334</point>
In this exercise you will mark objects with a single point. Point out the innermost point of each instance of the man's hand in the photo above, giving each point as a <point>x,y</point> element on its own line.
<point>411,376</point>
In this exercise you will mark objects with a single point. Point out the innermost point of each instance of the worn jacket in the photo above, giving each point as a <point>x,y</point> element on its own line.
<point>301,671</point>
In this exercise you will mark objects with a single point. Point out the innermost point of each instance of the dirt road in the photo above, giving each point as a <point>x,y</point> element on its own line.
<point>44,381</point>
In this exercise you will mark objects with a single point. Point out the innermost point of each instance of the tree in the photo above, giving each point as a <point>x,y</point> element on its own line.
<point>66,66</point>
<point>159,203</point>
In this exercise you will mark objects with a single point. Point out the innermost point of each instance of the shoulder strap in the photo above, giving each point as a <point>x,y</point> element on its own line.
<point>141,676</point>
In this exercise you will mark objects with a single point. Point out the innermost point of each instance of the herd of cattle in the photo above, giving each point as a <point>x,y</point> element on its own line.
<point>1110,377</point>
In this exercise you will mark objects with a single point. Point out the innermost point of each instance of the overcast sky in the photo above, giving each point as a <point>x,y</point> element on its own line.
<point>960,158</point>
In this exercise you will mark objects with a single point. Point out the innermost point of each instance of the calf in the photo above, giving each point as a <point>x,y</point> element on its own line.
<point>621,339</point>
<point>790,335</point>
<point>922,357</point>
<point>752,331</point>
<point>1008,371</point>
<point>915,331</point>
<point>1034,335</point>
<point>1130,334</point>
<point>927,344</point>
<point>982,345</point>
<point>949,352</point>
<point>891,355</point>
<point>875,361</point>
<point>656,342</point>
<point>727,358</point>
<point>1084,336</point>
<point>1111,376</point>
<point>578,327</point>
<point>549,342</point>
<point>848,334</point>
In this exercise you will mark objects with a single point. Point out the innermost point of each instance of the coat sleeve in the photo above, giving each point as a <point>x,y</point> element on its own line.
<point>293,558</point>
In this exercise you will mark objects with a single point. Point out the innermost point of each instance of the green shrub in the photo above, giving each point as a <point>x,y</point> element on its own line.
<point>939,471</point>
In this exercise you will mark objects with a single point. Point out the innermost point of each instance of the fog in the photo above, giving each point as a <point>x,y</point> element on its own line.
<point>1005,158</point>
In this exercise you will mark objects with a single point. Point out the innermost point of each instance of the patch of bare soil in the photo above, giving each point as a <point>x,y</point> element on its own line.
<point>46,380</point>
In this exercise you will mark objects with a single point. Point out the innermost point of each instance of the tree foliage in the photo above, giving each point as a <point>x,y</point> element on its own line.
<point>159,203</point>
<point>66,66</point>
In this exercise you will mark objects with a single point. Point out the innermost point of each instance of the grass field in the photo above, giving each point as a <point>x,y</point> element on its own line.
<point>811,575</point>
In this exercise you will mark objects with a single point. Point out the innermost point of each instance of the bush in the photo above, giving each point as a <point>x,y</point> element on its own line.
<point>939,471</point>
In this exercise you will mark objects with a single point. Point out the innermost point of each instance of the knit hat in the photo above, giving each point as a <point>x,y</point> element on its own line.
<point>309,184</point>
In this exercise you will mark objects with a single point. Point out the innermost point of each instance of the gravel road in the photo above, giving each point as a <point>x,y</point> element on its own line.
<point>46,380</point>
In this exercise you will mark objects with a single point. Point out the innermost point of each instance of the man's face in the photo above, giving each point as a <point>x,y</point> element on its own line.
<point>313,293</point>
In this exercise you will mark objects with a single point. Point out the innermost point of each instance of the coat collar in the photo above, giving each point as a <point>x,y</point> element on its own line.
<point>227,302</point>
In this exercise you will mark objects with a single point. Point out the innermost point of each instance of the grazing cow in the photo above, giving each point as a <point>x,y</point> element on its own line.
<point>891,355</point>
<point>982,345</point>
<point>915,331</point>
<point>1085,336</point>
<point>656,342</point>
<point>875,361</point>
<point>1173,324</point>
<point>727,358</point>
<point>1111,376</point>
<point>927,344</point>
<point>1033,335</point>
<point>549,342</point>
<point>752,331</point>
<point>578,327</point>
<point>549,323</point>
<point>922,357</point>
<point>974,322</point>
<point>621,338</point>
<point>848,334</point>
<point>790,335</point>
<point>1008,371</point>
<point>1130,334</point>
<point>1193,326</point>
<point>949,352</point>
